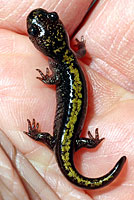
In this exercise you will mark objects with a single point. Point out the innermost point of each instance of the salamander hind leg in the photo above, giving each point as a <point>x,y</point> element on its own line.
<point>94,183</point>
<point>90,142</point>
<point>34,133</point>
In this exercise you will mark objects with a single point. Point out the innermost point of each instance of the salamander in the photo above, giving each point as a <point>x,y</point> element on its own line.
<point>49,36</point>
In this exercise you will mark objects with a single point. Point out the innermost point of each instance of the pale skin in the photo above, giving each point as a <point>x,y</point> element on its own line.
<point>109,69</point>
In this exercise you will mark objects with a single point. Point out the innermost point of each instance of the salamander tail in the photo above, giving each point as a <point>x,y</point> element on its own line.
<point>94,183</point>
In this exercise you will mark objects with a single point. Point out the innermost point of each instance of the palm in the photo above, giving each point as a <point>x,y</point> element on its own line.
<point>109,41</point>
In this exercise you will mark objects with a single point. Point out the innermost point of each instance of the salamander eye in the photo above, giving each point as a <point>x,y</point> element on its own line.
<point>53,16</point>
<point>33,30</point>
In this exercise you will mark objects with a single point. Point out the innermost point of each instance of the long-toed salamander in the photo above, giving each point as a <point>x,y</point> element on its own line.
<point>48,35</point>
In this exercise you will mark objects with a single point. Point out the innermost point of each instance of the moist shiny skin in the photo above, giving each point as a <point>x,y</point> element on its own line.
<point>48,34</point>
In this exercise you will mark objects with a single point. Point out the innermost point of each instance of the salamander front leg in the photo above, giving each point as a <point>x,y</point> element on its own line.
<point>34,133</point>
<point>52,79</point>
<point>90,142</point>
<point>81,48</point>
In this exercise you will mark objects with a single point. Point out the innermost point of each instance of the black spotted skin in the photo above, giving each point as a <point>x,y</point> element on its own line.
<point>48,35</point>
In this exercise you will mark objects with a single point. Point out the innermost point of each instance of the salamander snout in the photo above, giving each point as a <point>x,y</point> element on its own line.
<point>47,32</point>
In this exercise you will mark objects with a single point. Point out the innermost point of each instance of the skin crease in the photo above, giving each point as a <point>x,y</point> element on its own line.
<point>108,32</point>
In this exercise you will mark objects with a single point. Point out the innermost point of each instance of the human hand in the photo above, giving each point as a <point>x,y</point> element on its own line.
<point>109,41</point>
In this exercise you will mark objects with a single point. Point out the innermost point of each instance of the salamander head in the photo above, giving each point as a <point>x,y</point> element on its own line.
<point>47,32</point>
